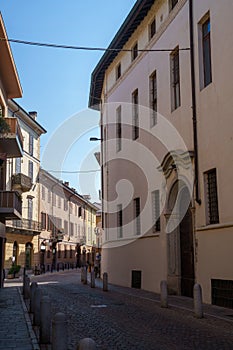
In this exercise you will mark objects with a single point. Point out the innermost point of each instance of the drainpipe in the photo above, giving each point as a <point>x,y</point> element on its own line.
<point>194,111</point>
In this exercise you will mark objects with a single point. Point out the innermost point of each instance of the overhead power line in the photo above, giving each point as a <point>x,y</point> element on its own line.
<point>74,172</point>
<point>85,48</point>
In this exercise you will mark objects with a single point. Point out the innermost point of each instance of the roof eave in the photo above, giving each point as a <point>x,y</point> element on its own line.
<point>132,21</point>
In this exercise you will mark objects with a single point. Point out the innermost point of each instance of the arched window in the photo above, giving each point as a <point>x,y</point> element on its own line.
<point>15,253</point>
<point>28,255</point>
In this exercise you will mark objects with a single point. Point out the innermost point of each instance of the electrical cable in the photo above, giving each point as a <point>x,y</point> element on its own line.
<point>85,48</point>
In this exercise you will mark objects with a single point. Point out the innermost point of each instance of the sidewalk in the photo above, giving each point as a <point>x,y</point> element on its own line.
<point>15,325</point>
<point>174,301</point>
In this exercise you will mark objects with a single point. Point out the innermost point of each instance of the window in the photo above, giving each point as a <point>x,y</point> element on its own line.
<point>153,99</point>
<point>118,71</point>
<point>43,221</point>
<point>30,208</point>
<point>71,229</point>
<point>65,205</point>
<point>89,234</point>
<point>156,210</point>
<point>119,221</point>
<point>172,4</point>
<point>152,29</point>
<point>65,227</point>
<point>79,211</point>
<point>48,253</point>
<point>43,192</point>
<point>135,115</point>
<point>175,79</point>
<point>59,201</point>
<point>49,196</point>
<point>54,199</point>
<point>210,178</point>
<point>50,222</point>
<point>18,165</point>
<point>118,129</point>
<point>137,216</point>
<point>206,48</point>
<point>134,52</point>
<point>30,169</point>
<point>30,145</point>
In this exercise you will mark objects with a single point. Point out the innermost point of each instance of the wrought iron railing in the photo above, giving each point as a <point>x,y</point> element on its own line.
<point>25,224</point>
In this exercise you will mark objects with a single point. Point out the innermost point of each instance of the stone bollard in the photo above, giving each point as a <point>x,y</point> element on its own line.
<point>163,294</point>
<point>26,294</point>
<point>84,275</point>
<point>197,299</point>
<point>33,288</point>
<point>24,277</point>
<point>105,282</point>
<point>45,320</point>
<point>37,296</point>
<point>59,332</point>
<point>92,279</point>
<point>86,344</point>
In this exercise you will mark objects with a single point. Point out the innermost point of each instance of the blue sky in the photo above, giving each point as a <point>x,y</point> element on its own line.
<point>56,82</point>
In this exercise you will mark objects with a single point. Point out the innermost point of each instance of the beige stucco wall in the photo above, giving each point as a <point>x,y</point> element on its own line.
<point>214,125</point>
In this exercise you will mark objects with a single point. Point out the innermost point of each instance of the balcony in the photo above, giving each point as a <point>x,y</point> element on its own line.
<point>24,226</point>
<point>10,205</point>
<point>11,142</point>
<point>21,183</point>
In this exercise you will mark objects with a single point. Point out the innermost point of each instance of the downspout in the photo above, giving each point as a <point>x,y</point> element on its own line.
<point>194,110</point>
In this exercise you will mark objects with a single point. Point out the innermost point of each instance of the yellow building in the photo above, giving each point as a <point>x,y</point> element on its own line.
<point>11,140</point>
<point>22,246</point>
<point>68,221</point>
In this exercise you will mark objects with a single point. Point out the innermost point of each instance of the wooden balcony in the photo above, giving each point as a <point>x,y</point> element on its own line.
<point>11,142</point>
<point>10,205</point>
<point>24,226</point>
<point>21,183</point>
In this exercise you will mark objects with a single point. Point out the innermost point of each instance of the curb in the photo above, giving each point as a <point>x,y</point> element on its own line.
<point>32,334</point>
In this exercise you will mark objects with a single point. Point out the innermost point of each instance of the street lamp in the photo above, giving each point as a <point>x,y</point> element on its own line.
<point>95,139</point>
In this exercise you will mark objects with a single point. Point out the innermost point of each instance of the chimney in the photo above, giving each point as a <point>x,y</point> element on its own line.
<point>66,183</point>
<point>33,115</point>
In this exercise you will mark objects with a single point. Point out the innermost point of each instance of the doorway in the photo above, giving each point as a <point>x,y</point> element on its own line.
<point>186,245</point>
<point>181,275</point>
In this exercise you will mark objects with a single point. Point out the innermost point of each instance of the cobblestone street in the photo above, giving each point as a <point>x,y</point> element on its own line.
<point>124,318</point>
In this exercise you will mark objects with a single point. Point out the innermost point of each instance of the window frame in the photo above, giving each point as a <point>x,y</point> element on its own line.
<point>155,198</point>
<point>137,212</point>
<point>118,129</point>
<point>135,115</point>
<point>153,98</point>
<point>31,145</point>
<point>211,196</point>
<point>172,4</point>
<point>118,71</point>
<point>134,51</point>
<point>175,79</point>
<point>119,221</point>
<point>30,169</point>
<point>152,28</point>
<point>206,52</point>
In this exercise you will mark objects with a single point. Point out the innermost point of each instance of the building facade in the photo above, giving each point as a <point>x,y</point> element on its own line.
<point>166,163</point>
<point>11,140</point>
<point>22,176</point>
<point>68,223</point>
